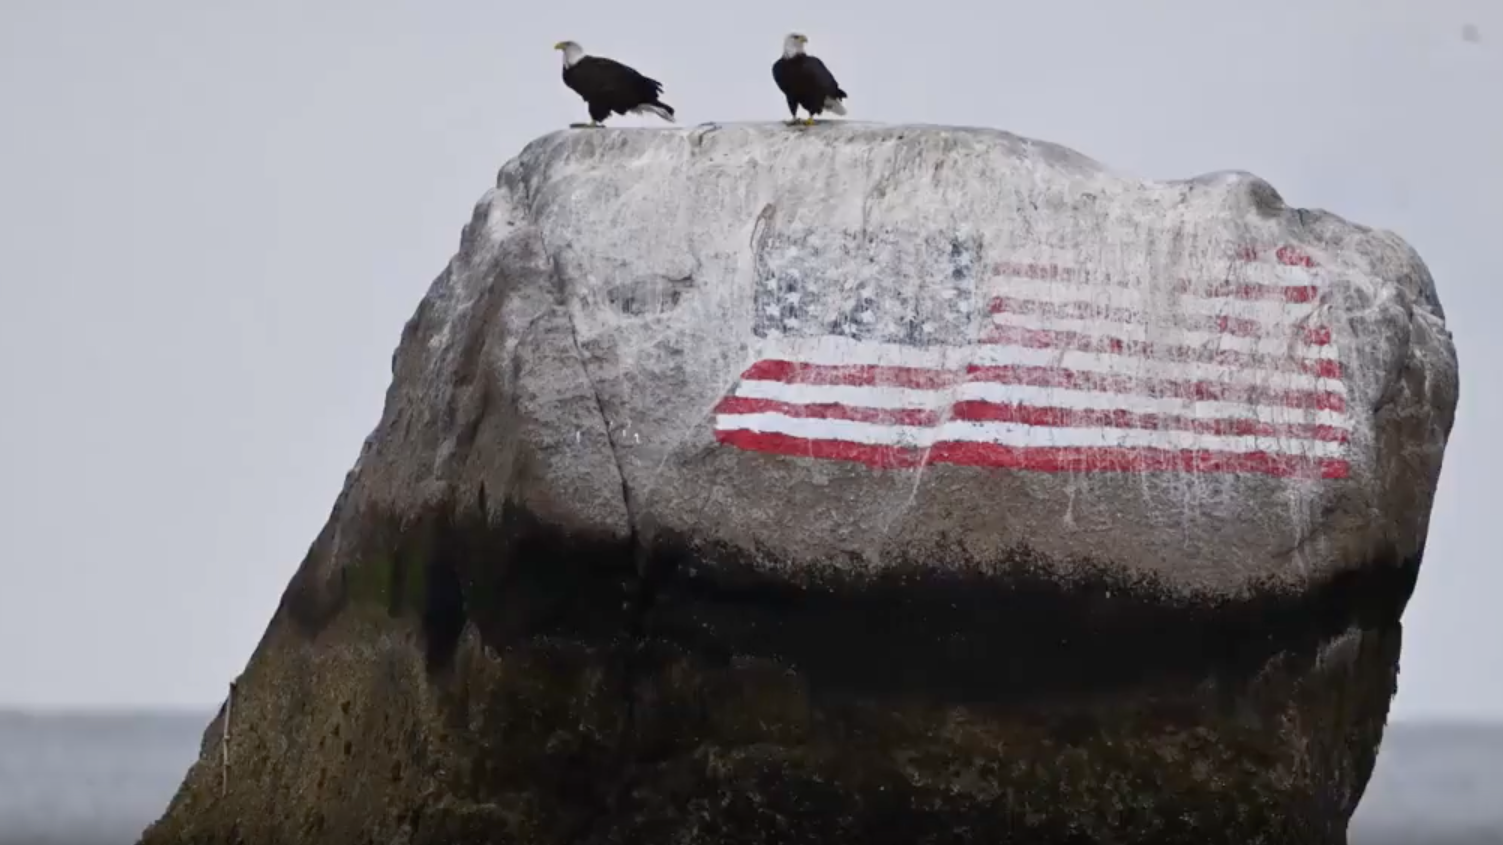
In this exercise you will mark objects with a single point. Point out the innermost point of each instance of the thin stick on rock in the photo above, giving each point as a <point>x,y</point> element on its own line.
<point>224,745</point>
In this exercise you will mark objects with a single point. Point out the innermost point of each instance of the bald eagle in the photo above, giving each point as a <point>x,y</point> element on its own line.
<point>609,86</point>
<point>805,81</point>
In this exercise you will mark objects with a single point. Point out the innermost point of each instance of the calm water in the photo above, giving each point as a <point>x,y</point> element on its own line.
<point>82,780</point>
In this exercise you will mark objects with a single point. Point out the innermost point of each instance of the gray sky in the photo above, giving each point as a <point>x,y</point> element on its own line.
<point>215,218</point>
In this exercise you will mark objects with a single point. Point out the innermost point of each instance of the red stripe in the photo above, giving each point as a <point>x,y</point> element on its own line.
<point>1293,257</point>
<point>917,378</point>
<point>1226,288</point>
<point>1052,273</point>
<point>1318,335</point>
<point>1246,290</point>
<point>830,411</point>
<point>854,375</point>
<point>1287,255</point>
<point>978,411</point>
<point>1082,342</point>
<point>1235,326</point>
<point>1041,459</point>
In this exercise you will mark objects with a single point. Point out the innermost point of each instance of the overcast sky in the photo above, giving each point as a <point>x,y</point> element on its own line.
<point>215,218</point>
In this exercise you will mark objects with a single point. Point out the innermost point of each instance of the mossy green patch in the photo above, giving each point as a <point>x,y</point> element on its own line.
<point>368,580</point>
<point>391,572</point>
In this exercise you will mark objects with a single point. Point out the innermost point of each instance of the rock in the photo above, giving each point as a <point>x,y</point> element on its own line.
<point>859,484</point>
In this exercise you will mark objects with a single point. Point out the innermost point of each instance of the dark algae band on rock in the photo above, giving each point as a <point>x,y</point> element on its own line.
<point>925,631</point>
<point>930,632</point>
<point>861,484</point>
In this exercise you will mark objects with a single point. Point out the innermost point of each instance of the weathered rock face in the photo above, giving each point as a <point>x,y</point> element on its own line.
<point>860,484</point>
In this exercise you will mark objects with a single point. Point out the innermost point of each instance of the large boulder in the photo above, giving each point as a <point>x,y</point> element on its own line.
<point>859,484</point>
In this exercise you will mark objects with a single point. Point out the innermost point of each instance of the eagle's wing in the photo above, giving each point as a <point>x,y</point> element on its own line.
<point>622,77</point>
<point>821,77</point>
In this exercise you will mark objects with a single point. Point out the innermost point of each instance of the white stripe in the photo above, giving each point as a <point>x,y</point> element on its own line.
<point>1273,313</point>
<point>1276,273</point>
<point>1018,434</point>
<point>1022,394</point>
<point>1272,273</point>
<point>956,360</point>
<point>836,351</point>
<point>1093,362</point>
<point>1138,333</point>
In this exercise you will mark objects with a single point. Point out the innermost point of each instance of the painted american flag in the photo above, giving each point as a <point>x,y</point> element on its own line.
<point>1042,367</point>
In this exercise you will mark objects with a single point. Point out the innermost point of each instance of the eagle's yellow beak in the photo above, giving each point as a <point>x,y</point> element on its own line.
<point>559,46</point>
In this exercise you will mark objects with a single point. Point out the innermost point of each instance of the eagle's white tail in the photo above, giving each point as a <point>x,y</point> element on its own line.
<point>834,105</point>
<point>651,108</point>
